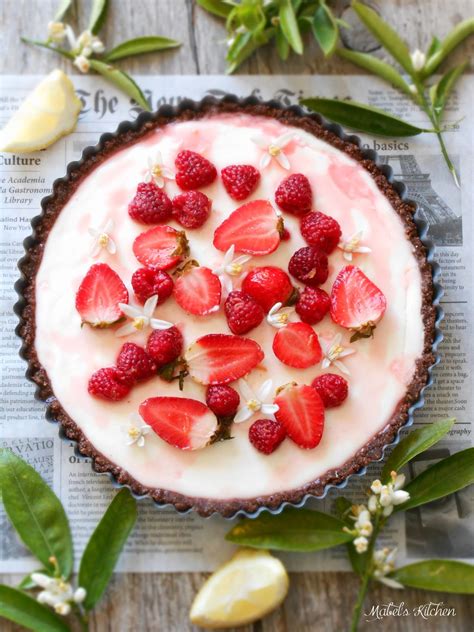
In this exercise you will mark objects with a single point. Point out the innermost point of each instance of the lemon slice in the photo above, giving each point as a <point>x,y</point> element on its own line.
<point>47,113</point>
<point>246,588</point>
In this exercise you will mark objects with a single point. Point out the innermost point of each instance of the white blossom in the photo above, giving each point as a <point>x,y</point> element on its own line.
<point>255,402</point>
<point>333,352</point>
<point>135,431</point>
<point>85,44</point>
<point>56,32</point>
<point>384,563</point>
<point>363,524</point>
<point>157,172</point>
<point>361,544</point>
<point>102,239</point>
<point>82,63</point>
<point>141,317</point>
<point>57,593</point>
<point>273,150</point>
<point>279,316</point>
<point>230,267</point>
<point>418,60</point>
<point>351,245</point>
<point>388,496</point>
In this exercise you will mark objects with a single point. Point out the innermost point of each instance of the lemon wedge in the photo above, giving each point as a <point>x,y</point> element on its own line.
<point>47,113</point>
<point>246,588</point>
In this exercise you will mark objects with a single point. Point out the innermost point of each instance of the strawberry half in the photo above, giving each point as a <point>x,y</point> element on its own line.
<point>99,295</point>
<point>198,290</point>
<point>297,345</point>
<point>254,228</point>
<point>356,303</point>
<point>184,423</point>
<point>222,358</point>
<point>301,413</point>
<point>161,248</point>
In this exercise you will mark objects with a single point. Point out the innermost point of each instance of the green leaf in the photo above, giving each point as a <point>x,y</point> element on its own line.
<point>55,49</point>
<point>289,26</point>
<point>22,609</point>
<point>434,47</point>
<point>416,442</point>
<point>325,29</point>
<point>292,530</point>
<point>377,67</point>
<point>98,15</point>
<point>441,575</point>
<point>382,31</point>
<point>36,513</point>
<point>243,47</point>
<point>441,479</point>
<point>362,117</point>
<point>282,45</point>
<point>459,33</point>
<point>105,545</point>
<point>120,79</point>
<point>216,7</point>
<point>440,92</point>
<point>62,9</point>
<point>139,46</point>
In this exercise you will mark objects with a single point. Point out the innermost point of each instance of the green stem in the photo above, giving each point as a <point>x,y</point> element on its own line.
<point>82,618</point>
<point>366,577</point>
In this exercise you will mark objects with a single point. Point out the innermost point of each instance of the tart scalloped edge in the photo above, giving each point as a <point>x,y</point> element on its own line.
<point>25,308</point>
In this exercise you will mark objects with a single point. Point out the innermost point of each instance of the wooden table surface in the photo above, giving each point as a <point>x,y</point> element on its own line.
<point>317,601</point>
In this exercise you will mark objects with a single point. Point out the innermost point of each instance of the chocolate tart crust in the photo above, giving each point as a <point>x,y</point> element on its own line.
<point>62,192</point>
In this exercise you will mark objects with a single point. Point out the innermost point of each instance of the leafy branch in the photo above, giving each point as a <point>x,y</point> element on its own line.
<point>87,51</point>
<point>40,521</point>
<point>358,526</point>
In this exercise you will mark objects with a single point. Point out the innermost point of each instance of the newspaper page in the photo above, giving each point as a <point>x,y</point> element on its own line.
<point>164,540</point>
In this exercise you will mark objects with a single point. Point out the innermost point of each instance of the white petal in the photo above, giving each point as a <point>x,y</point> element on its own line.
<point>242,259</point>
<point>226,283</point>
<point>79,594</point>
<point>141,441</point>
<point>265,390</point>
<point>130,310</point>
<point>243,414</point>
<point>156,323</point>
<point>96,250</point>
<point>93,232</point>
<point>400,496</point>
<point>144,429</point>
<point>363,250</point>
<point>245,390</point>
<point>126,330</point>
<point>283,161</point>
<point>269,409</point>
<point>159,181</point>
<point>347,255</point>
<point>341,367</point>
<point>390,582</point>
<point>260,141</point>
<point>326,363</point>
<point>229,255</point>
<point>71,38</point>
<point>111,246</point>
<point>158,157</point>
<point>42,580</point>
<point>150,305</point>
<point>347,352</point>
<point>399,481</point>
<point>387,510</point>
<point>265,160</point>
<point>284,139</point>
<point>167,173</point>
<point>275,309</point>
<point>109,226</point>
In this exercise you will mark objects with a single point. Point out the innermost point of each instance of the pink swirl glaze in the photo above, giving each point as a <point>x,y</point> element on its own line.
<point>380,370</point>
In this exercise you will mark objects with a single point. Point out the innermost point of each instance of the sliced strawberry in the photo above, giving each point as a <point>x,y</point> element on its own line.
<point>356,303</point>
<point>99,295</point>
<point>254,228</point>
<point>161,248</point>
<point>198,290</point>
<point>301,412</point>
<point>297,345</point>
<point>184,423</point>
<point>222,358</point>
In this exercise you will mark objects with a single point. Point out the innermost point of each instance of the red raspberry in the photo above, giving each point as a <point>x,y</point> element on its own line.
<point>147,282</point>
<point>268,285</point>
<point>134,364</point>
<point>150,205</point>
<point>332,389</point>
<point>223,400</point>
<point>285,235</point>
<point>309,265</point>
<point>321,231</point>
<point>191,209</point>
<point>240,180</point>
<point>266,435</point>
<point>243,312</point>
<point>164,345</point>
<point>313,305</point>
<point>107,384</point>
<point>193,170</point>
<point>294,194</point>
